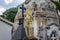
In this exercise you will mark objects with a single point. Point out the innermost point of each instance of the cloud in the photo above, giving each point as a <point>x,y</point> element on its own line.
<point>2,9</point>
<point>8,1</point>
<point>59,13</point>
<point>21,1</point>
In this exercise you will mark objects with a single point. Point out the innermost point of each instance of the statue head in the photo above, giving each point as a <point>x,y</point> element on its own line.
<point>28,7</point>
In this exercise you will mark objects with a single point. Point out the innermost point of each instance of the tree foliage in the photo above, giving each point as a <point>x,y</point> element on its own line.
<point>57,7</point>
<point>10,14</point>
<point>57,4</point>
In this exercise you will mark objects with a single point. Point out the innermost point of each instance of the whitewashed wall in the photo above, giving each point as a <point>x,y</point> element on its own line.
<point>5,31</point>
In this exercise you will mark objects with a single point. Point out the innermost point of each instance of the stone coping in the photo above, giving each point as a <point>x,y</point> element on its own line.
<point>6,21</point>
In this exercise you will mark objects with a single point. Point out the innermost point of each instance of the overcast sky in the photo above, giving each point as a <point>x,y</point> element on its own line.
<point>6,4</point>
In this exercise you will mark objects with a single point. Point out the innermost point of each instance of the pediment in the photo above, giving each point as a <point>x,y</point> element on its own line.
<point>53,24</point>
<point>53,27</point>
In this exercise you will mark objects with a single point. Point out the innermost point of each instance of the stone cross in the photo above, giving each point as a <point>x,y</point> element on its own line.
<point>53,38</point>
<point>23,9</point>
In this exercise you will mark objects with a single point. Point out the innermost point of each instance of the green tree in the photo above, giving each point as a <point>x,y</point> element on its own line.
<point>10,14</point>
<point>57,4</point>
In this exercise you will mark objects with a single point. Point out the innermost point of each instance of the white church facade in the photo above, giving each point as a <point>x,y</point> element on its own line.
<point>45,19</point>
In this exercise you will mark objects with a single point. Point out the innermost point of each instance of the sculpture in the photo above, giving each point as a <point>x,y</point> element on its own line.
<point>28,23</point>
